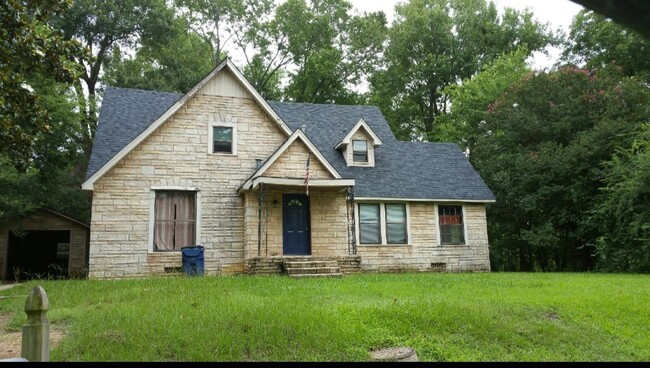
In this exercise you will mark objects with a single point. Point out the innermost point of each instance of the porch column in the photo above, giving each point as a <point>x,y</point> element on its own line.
<point>352,243</point>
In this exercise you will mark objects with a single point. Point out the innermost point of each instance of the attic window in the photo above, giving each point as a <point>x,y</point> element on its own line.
<point>223,138</point>
<point>359,151</point>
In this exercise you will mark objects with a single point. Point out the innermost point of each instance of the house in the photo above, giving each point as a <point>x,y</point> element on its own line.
<point>260,184</point>
<point>45,244</point>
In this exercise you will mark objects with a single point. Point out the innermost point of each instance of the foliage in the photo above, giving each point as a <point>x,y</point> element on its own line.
<point>596,41</point>
<point>28,45</point>
<point>175,64</point>
<point>623,209</point>
<point>436,43</point>
<point>475,317</point>
<point>329,48</point>
<point>102,26</point>
<point>473,97</point>
<point>540,151</point>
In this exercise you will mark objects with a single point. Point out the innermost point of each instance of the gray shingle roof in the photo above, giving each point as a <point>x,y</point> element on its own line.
<point>125,113</point>
<point>414,170</point>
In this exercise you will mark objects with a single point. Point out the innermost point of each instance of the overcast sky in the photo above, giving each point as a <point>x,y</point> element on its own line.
<point>558,13</point>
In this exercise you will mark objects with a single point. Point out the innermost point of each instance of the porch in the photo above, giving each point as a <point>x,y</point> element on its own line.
<point>283,218</point>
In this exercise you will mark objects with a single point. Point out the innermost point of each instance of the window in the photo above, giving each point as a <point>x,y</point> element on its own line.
<point>369,226</point>
<point>174,219</point>
<point>222,138</point>
<point>381,223</point>
<point>359,151</point>
<point>396,223</point>
<point>452,229</point>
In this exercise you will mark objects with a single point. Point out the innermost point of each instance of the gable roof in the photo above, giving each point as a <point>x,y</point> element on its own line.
<point>406,170</point>
<point>143,126</point>
<point>403,170</point>
<point>360,125</point>
<point>297,135</point>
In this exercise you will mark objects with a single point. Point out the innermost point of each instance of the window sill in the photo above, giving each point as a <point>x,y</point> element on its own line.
<point>222,154</point>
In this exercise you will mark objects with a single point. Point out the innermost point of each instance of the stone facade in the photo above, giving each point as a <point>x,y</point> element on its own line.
<point>424,252</point>
<point>48,221</point>
<point>236,235</point>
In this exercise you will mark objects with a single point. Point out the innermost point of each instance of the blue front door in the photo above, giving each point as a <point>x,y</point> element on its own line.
<point>295,224</point>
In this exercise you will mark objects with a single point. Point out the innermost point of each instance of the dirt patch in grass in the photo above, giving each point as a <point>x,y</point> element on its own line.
<point>11,341</point>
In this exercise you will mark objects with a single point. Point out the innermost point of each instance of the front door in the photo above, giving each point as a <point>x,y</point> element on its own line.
<point>295,224</point>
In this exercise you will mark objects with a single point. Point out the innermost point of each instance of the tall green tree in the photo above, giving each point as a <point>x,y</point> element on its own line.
<point>541,151</point>
<point>175,64</point>
<point>29,46</point>
<point>327,50</point>
<point>222,23</point>
<point>437,43</point>
<point>102,26</point>
<point>622,211</point>
<point>596,41</point>
<point>473,98</point>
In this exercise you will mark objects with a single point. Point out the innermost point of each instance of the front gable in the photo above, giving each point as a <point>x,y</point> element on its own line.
<point>224,81</point>
<point>292,163</point>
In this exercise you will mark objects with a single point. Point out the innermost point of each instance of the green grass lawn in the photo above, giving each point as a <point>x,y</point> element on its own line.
<point>471,317</point>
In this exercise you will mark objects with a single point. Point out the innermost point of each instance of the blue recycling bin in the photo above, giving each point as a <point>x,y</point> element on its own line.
<point>193,260</point>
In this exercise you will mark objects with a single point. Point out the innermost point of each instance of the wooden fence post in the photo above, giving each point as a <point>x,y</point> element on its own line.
<point>36,330</point>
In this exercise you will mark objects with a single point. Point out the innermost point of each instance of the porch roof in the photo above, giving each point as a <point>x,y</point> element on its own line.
<point>254,183</point>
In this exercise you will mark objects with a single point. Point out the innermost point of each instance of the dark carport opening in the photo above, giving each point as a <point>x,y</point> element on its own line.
<point>41,254</point>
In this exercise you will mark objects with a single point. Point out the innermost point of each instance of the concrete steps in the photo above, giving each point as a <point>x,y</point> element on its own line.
<point>311,267</point>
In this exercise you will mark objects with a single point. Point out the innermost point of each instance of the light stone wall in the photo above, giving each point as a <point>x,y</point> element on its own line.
<point>44,220</point>
<point>328,222</point>
<point>292,164</point>
<point>176,155</point>
<point>424,249</point>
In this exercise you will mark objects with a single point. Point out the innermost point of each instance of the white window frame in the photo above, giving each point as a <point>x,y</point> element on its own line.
<point>382,224</point>
<point>211,127</point>
<point>152,214</point>
<point>437,224</point>
<point>367,161</point>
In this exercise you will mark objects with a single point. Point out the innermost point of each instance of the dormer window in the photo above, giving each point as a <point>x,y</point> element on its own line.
<point>359,145</point>
<point>360,151</point>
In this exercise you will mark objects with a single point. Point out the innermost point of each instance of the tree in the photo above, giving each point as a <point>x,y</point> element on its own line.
<point>623,209</point>
<point>330,49</point>
<point>437,43</point>
<point>472,98</point>
<point>596,41</point>
<point>102,26</point>
<point>540,150</point>
<point>175,64</point>
<point>29,46</point>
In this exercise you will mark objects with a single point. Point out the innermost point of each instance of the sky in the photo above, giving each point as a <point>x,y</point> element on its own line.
<point>559,13</point>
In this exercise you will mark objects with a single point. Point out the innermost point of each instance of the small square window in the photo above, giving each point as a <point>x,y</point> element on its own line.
<point>359,151</point>
<point>222,139</point>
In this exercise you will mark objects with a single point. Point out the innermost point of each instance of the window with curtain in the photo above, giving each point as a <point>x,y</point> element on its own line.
<point>369,225</point>
<point>175,219</point>
<point>396,224</point>
<point>359,151</point>
<point>452,229</point>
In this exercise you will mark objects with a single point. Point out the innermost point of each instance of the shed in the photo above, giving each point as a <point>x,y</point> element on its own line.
<point>45,244</point>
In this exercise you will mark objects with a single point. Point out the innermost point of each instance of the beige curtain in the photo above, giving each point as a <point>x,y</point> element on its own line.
<point>175,218</point>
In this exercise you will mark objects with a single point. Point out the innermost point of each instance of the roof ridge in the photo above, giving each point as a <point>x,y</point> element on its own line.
<point>142,90</point>
<point>318,104</point>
